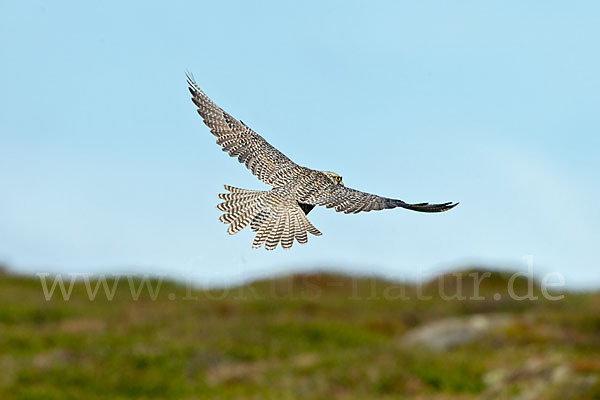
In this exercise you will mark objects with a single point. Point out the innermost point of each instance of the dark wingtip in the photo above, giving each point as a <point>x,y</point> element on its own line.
<point>451,206</point>
<point>189,76</point>
<point>192,86</point>
<point>431,208</point>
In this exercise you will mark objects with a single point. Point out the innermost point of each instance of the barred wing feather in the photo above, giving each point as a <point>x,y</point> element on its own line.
<point>238,140</point>
<point>351,201</point>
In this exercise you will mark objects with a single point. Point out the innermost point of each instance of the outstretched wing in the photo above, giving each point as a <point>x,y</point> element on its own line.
<point>265,161</point>
<point>351,201</point>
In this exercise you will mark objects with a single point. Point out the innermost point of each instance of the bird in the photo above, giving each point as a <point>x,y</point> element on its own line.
<point>279,215</point>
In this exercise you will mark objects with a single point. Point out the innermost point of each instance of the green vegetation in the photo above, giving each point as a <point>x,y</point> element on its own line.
<point>314,336</point>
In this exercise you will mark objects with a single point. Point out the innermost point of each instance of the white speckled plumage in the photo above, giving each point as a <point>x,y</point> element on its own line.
<point>279,216</point>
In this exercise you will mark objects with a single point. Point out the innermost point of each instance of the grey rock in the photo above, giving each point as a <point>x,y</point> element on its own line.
<point>452,332</point>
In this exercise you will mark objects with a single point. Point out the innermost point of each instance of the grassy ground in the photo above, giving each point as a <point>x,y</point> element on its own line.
<point>300,337</point>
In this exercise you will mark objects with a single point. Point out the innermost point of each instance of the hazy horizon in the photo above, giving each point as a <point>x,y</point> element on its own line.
<point>106,164</point>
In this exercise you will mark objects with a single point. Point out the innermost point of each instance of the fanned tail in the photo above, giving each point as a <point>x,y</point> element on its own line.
<point>274,217</point>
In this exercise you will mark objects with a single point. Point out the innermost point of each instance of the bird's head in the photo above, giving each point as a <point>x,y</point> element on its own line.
<point>333,177</point>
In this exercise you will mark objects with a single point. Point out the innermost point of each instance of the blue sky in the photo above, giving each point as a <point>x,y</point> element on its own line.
<point>107,167</point>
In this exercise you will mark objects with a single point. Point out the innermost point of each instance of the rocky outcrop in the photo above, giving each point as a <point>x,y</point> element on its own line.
<point>451,332</point>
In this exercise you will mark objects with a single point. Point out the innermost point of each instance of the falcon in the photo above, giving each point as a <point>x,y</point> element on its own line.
<point>279,216</point>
